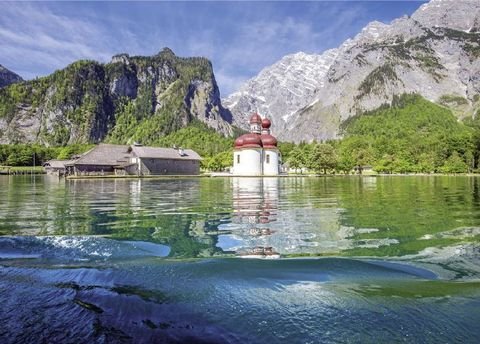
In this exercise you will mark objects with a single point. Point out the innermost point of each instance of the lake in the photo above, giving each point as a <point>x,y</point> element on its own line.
<point>240,260</point>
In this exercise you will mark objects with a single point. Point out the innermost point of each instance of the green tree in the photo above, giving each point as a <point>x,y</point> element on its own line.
<point>285,149</point>
<point>426,163</point>
<point>21,155</point>
<point>220,161</point>
<point>65,153</point>
<point>401,165</point>
<point>362,157</point>
<point>12,160</point>
<point>454,164</point>
<point>322,158</point>
<point>296,159</point>
<point>345,163</point>
<point>385,164</point>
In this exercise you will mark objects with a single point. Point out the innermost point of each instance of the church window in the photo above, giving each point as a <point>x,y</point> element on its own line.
<point>238,158</point>
<point>267,158</point>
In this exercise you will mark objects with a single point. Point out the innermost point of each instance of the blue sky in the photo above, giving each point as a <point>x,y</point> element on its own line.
<point>240,38</point>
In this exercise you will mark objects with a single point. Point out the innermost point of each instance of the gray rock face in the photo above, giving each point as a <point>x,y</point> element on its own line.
<point>203,100</point>
<point>462,15</point>
<point>280,90</point>
<point>124,85</point>
<point>8,77</point>
<point>435,52</point>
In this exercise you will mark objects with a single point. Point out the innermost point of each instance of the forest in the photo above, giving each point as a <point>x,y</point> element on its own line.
<point>412,135</point>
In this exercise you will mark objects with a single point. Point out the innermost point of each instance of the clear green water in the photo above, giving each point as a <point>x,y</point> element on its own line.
<point>334,259</point>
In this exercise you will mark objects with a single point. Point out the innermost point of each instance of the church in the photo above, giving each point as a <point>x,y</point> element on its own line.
<point>256,153</point>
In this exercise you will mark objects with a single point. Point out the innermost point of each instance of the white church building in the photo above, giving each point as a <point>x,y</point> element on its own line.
<point>256,153</point>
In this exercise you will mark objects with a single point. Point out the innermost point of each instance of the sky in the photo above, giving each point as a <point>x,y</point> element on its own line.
<point>239,37</point>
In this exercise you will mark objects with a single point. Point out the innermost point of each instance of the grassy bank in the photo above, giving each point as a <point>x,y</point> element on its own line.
<point>16,170</point>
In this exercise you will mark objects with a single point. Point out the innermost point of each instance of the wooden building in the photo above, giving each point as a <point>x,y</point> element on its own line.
<point>57,167</point>
<point>158,161</point>
<point>107,159</point>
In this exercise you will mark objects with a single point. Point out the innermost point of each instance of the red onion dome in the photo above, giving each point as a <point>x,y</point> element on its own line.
<point>268,141</point>
<point>239,142</point>
<point>255,119</point>
<point>266,123</point>
<point>250,141</point>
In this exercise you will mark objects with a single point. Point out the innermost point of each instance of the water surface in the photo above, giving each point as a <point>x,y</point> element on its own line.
<point>333,259</point>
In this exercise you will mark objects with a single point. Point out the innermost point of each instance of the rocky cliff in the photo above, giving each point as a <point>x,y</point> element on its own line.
<point>8,77</point>
<point>129,99</point>
<point>435,53</point>
<point>281,89</point>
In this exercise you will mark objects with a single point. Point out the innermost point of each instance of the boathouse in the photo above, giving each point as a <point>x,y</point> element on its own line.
<point>56,167</point>
<point>155,160</point>
<point>108,159</point>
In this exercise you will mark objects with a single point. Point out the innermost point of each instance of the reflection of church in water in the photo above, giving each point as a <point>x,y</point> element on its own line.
<point>255,202</point>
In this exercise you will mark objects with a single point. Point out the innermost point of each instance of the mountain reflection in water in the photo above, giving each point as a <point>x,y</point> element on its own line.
<point>112,260</point>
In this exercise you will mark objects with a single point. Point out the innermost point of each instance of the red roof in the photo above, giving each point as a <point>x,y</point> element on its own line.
<point>266,123</point>
<point>239,142</point>
<point>253,140</point>
<point>268,141</point>
<point>248,141</point>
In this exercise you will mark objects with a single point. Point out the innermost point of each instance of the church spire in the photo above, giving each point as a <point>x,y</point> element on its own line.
<point>255,123</point>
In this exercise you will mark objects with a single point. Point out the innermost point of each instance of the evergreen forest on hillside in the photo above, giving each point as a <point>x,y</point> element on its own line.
<point>412,135</point>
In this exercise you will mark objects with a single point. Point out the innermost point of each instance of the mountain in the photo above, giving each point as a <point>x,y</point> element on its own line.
<point>8,77</point>
<point>129,99</point>
<point>434,53</point>
<point>281,89</point>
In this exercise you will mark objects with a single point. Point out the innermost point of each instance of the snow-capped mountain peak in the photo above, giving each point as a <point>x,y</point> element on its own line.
<point>284,87</point>
<point>435,52</point>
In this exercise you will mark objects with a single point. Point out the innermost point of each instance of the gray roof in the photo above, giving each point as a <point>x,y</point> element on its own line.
<point>58,163</point>
<point>164,153</point>
<point>106,154</point>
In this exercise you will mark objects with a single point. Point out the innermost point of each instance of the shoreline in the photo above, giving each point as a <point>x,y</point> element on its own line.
<point>37,172</point>
<point>215,175</point>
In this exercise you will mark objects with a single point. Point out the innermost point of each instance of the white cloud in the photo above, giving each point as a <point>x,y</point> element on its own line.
<point>33,38</point>
<point>261,43</point>
<point>37,38</point>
